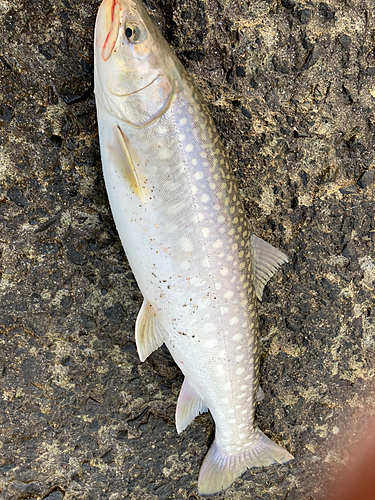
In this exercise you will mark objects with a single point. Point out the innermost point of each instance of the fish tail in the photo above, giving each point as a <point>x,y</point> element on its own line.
<point>219,469</point>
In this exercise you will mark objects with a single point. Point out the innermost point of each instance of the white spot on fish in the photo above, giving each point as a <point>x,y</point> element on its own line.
<point>237,337</point>
<point>224,310</point>
<point>206,262</point>
<point>195,281</point>
<point>224,271</point>
<point>170,186</point>
<point>229,294</point>
<point>194,189</point>
<point>186,244</point>
<point>174,209</point>
<point>221,218</point>
<point>210,343</point>
<point>189,148</point>
<point>198,176</point>
<point>165,154</point>
<point>233,321</point>
<point>240,370</point>
<point>183,121</point>
<point>206,232</point>
<point>205,198</point>
<point>218,286</point>
<point>219,370</point>
<point>217,244</point>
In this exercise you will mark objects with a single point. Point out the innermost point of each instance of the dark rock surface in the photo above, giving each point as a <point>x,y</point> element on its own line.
<point>291,87</point>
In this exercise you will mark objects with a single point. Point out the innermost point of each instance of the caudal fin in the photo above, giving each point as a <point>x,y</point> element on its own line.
<point>219,469</point>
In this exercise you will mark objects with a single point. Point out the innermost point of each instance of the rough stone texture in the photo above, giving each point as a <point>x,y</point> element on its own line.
<point>291,87</point>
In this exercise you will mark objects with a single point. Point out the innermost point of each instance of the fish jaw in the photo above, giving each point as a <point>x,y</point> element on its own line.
<point>135,79</point>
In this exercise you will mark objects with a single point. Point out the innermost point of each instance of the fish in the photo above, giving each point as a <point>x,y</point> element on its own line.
<point>180,217</point>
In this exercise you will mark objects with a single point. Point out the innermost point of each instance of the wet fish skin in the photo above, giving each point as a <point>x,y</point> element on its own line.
<point>180,218</point>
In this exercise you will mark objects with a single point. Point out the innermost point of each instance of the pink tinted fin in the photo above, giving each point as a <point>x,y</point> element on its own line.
<point>219,469</point>
<point>149,334</point>
<point>189,406</point>
<point>267,260</point>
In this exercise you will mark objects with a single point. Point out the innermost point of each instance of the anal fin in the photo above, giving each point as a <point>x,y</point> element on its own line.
<point>189,406</point>
<point>149,333</point>
<point>267,260</point>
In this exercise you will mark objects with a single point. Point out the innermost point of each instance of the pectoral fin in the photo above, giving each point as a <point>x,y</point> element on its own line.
<point>267,259</point>
<point>189,406</point>
<point>126,161</point>
<point>149,333</point>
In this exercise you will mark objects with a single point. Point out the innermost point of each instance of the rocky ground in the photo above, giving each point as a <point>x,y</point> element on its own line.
<point>291,88</point>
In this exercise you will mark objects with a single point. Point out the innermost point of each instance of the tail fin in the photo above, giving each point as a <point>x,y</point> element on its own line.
<point>219,469</point>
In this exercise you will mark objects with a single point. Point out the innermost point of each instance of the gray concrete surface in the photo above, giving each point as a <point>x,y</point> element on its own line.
<point>291,87</point>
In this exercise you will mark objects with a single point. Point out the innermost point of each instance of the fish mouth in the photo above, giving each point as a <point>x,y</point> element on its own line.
<point>137,90</point>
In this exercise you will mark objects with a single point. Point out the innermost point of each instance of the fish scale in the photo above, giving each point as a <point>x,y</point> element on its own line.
<point>180,218</point>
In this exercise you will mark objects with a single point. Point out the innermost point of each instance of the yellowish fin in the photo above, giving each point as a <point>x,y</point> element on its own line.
<point>149,334</point>
<point>127,162</point>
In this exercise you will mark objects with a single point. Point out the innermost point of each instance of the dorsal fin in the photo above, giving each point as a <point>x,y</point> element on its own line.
<point>267,259</point>
<point>149,334</point>
<point>189,406</point>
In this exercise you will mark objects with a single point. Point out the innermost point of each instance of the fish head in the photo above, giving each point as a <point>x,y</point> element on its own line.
<point>136,73</point>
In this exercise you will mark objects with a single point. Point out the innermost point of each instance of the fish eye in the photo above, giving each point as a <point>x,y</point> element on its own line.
<point>133,33</point>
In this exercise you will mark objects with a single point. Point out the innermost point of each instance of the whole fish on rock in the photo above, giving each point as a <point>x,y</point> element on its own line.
<point>181,221</point>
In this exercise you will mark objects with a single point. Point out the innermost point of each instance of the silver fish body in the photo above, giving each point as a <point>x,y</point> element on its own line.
<point>181,221</point>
